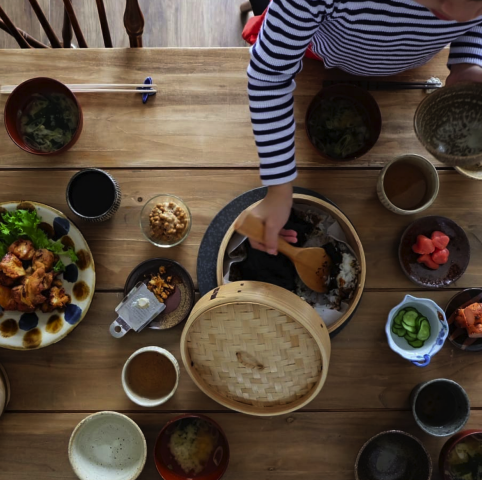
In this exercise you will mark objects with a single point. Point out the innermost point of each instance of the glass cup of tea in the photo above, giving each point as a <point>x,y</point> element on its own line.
<point>94,195</point>
<point>408,185</point>
<point>150,376</point>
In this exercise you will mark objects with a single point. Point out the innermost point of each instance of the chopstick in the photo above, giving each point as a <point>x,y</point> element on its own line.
<point>371,85</point>
<point>98,88</point>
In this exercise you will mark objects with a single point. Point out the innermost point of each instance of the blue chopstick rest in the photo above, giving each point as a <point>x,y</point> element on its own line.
<point>146,96</point>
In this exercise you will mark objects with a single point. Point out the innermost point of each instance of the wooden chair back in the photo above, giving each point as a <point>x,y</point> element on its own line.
<point>133,22</point>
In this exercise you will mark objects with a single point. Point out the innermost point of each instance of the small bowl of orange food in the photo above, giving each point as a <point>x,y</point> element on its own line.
<point>191,446</point>
<point>464,315</point>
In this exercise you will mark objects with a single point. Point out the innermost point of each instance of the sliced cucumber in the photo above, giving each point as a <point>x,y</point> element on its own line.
<point>424,332</point>
<point>410,318</point>
<point>409,328</point>
<point>412,326</point>
<point>409,336</point>
<point>398,318</point>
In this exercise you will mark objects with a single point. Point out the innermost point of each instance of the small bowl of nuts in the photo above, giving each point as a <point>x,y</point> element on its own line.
<point>165,220</point>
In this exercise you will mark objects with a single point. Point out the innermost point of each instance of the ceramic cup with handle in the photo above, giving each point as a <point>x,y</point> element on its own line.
<point>150,376</point>
<point>425,168</point>
<point>439,331</point>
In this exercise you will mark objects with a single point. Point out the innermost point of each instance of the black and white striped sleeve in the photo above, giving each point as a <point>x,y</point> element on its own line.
<point>276,58</point>
<point>467,48</point>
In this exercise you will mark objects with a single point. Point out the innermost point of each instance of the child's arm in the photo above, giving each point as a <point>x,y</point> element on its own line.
<point>465,59</point>
<point>276,58</point>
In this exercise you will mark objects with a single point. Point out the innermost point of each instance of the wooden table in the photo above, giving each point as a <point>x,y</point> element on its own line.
<point>195,140</point>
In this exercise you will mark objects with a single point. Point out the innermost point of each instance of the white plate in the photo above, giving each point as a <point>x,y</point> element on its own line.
<point>24,331</point>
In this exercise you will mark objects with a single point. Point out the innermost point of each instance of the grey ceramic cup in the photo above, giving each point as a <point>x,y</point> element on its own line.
<point>440,407</point>
<point>115,204</point>
<point>431,177</point>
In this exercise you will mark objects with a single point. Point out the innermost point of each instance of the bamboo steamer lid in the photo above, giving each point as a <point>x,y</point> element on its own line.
<point>256,348</point>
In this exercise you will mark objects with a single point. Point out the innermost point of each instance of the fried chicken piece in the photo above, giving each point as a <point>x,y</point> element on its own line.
<point>6,281</point>
<point>58,298</point>
<point>12,266</point>
<point>47,281</point>
<point>44,259</point>
<point>23,249</point>
<point>6,299</point>
<point>29,294</point>
<point>46,307</point>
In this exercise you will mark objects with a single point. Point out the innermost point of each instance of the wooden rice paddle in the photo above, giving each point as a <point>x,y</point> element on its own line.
<point>312,263</point>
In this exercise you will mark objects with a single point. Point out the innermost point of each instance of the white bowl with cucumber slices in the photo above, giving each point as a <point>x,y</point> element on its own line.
<point>416,329</point>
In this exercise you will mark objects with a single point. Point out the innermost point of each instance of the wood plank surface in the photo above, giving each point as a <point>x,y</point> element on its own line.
<point>195,140</point>
<point>200,117</point>
<point>298,446</point>
<point>118,245</point>
<point>83,371</point>
<point>180,23</point>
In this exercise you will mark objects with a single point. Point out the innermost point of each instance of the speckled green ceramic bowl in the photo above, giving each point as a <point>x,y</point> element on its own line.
<point>448,123</point>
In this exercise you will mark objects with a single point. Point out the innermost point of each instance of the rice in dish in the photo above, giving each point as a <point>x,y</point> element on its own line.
<point>192,443</point>
<point>344,273</point>
<point>315,229</point>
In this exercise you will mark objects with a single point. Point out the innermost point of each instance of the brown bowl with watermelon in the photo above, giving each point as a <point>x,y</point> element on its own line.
<point>434,252</point>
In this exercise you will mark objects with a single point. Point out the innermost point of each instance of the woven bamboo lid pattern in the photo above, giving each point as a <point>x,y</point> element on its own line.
<point>256,348</point>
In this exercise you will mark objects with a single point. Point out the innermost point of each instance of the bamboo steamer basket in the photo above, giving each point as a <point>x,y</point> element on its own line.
<point>353,241</point>
<point>256,348</point>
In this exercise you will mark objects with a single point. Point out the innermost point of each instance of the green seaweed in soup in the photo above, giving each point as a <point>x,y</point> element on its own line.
<point>465,459</point>
<point>338,127</point>
<point>48,122</point>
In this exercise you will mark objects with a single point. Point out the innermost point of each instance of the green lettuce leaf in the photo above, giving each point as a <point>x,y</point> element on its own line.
<point>25,223</point>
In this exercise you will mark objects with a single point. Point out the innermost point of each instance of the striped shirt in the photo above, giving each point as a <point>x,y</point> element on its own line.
<point>364,37</point>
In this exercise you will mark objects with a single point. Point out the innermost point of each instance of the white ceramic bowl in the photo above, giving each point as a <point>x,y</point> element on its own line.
<point>107,445</point>
<point>439,331</point>
<point>143,401</point>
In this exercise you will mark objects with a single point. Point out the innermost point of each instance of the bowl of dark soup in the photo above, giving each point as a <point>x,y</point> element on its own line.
<point>43,117</point>
<point>343,122</point>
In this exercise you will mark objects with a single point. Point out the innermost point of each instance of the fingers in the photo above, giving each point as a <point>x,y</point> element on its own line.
<point>290,236</point>
<point>271,232</point>
<point>257,245</point>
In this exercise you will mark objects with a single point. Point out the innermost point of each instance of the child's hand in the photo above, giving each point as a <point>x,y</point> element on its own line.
<point>274,210</point>
<point>464,72</point>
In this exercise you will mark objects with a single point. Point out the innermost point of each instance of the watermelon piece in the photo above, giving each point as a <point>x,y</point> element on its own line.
<point>440,256</point>
<point>426,259</point>
<point>424,245</point>
<point>440,240</point>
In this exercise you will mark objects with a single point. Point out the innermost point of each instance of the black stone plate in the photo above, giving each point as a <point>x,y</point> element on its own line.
<point>211,243</point>
<point>458,247</point>
<point>457,336</point>
<point>179,304</point>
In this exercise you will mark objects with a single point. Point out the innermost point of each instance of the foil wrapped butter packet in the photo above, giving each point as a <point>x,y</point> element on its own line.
<point>136,311</point>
